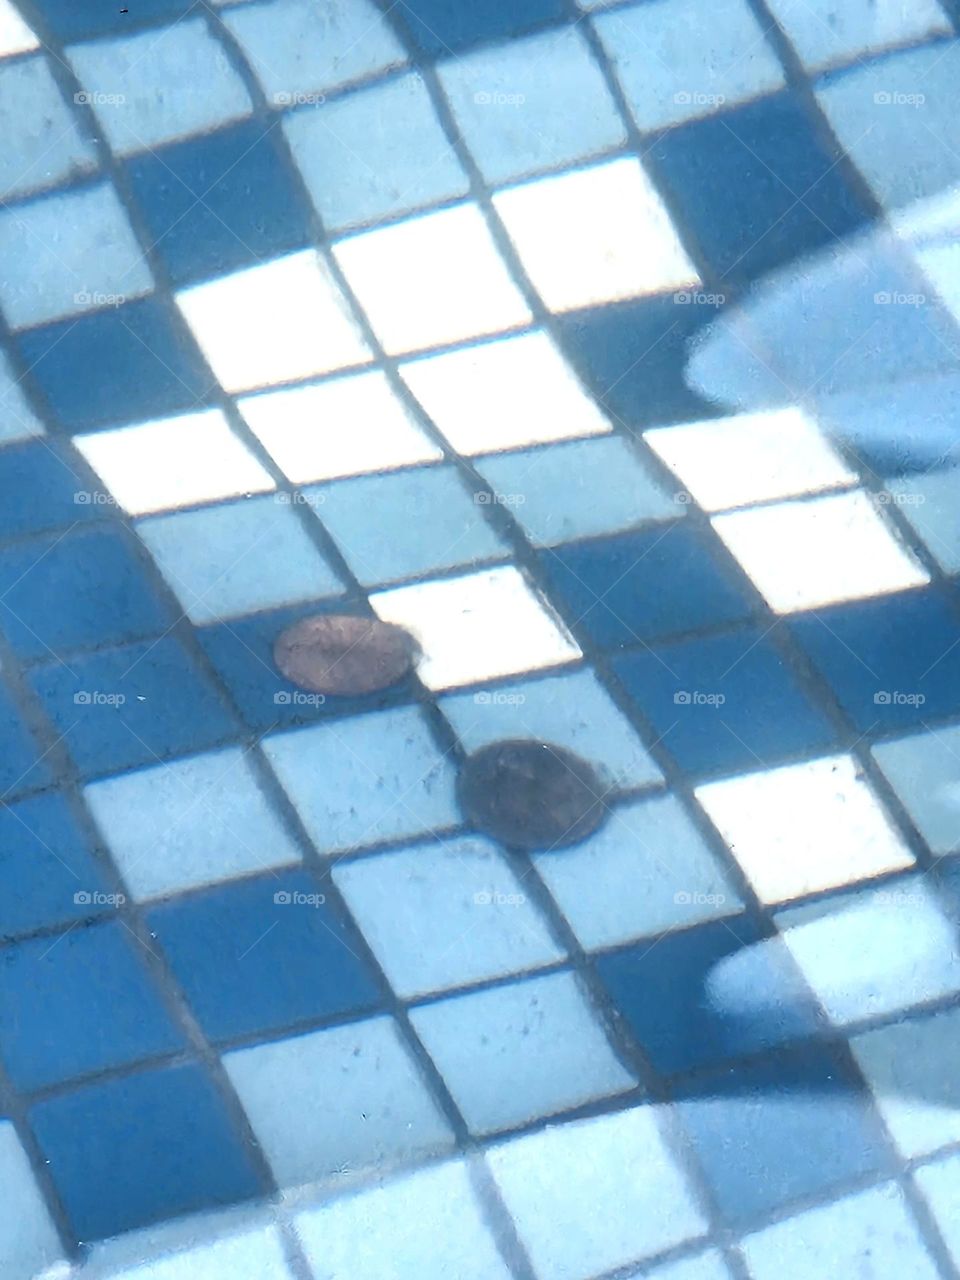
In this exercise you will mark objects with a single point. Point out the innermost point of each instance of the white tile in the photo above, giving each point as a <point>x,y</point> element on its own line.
<point>477,627</point>
<point>173,462</point>
<point>252,1255</point>
<point>804,828</point>
<point>595,235</point>
<point>275,322</point>
<point>28,1239</point>
<point>432,280</point>
<point>504,395</point>
<point>340,427</point>
<point>804,554</point>
<point>753,457</point>
<point>15,35</point>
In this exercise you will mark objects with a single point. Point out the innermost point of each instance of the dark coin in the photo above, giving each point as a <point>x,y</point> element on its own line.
<point>531,795</point>
<point>344,654</point>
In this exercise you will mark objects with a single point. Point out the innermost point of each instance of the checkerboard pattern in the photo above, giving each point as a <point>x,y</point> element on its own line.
<point>405,308</point>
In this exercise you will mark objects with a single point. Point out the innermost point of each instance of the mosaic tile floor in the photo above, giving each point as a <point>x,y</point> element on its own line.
<point>614,352</point>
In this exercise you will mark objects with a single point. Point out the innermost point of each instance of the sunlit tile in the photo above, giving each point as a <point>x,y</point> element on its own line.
<point>272,323</point>
<point>805,554</point>
<point>173,462</point>
<point>504,395</point>
<point>804,828</point>
<point>15,35</point>
<point>477,627</point>
<point>594,236</point>
<point>730,462</point>
<point>432,280</point>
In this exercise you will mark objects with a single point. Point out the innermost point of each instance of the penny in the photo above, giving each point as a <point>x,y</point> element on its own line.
<point>342,653</point>
<point>531,795</point>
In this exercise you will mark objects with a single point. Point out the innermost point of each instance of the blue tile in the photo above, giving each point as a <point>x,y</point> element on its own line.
<point>263,954</point>
<point>755,187</point>
<point>169,708</point>
<point>18,421</point>
<point>441,26</point>
<point>76,1004</point>
<point>898,429</point>
<point>149,1146</point>
<point>220,203</point>
<point>724,703</point>
<point>826,32</point>
<point>102,593</point>
<point>662,992</point>
<point>940,1184</point>
<point>29,1242</point>
<point>43,488</point>
<point>22,766</point>
<point>891,661</point>
<point>36,122</point>
<point>931,504</point>
<point>637,586</point>
<point>922,769</point>
<point>70,21</point>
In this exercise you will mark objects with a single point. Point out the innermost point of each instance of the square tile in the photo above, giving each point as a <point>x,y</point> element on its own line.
<point>705,1266</point>
<point>590,1196</point>
<point>514,1053</point>
<point>367,1105</point>
<point>374,154</point>
<point>427,520</point>
<point>18,421</point>
<point>824,35</point>
<point>274,322</point>
<point>173,462</point>
<point>931,503</point>
<point>477,627</point>
<point>385,779</point>
<point>69,22</point>
<point>15,35</point>
<point>189,823</point>
<point>938,1184</point>
<point>752,457</point>
<point>432,280</point>
<point>237,557</point>
<point>922,769</point>
<point>168,82</point>
<point>805,554</point>
<point>504,395</point>
<point>805,827</point>
<point>23,764</point>
<point>42,143</point>
<point>28,1239</point>
<point>445,914</point>
<point>44,486</point>
<point>262,954</point>
<point>81,252</point>
<point>442,26</point>
<point>250,1255</point>
<point>143,1148</point>
<point>595,235</point>
<point>504,102</point>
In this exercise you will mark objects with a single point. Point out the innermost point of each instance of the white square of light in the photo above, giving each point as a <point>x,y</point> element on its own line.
<point>477,627</point>
<point>173,462</point>
<point>753,457</point>
<point>340,427</point>
<point>802,555</point>
<point>804,827</point>
<point>504,395</point>
<point>275,322</point>
<point>432,280</point>
<point>595,235</point>
<point>15,35</point>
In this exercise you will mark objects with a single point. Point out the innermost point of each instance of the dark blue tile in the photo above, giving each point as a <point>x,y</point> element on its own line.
<point>768,1133</point>
<point>755,187</point>
<point>147,1147</point>
<point>262,954</point>
<point>168,707</point>
<point>637,586</point>
<point>725,702</point>
<point>43,489</point>
<point>60,593</point>
<point>221,202</point>
<point>69,20</point>
<point>122,364</point>
<point>892,661</point>
<point>77,1004</point>
<point>663,993</point>
<point>440,26</point>
<point>22,767</point>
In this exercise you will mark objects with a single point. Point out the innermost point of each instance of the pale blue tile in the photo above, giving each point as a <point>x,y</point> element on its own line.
<point>41,142</point>
<point>705,1266</point>
<point>829,31</point>
<point>940,1184</point>
<point>931,503</point>
<point>922,769</point>
<point>17,419</point>
<point>28,1239</point>
<point>249,1255</point>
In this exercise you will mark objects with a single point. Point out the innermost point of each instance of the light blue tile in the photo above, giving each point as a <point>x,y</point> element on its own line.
<point>28,1239</point>
<point>237,558</point>
<point>17,419</point>
<point>931,503</point>
<point>374,153</point>
<point>426,520</point>
<point>677,59</point>
<point>338,1101</point>
<point>250,1255</point>
<point>300,47</point>
<point>872,1234</point>
<point>922,769</point>
<point>41,143</point>
<point>830,31</point>
<point>515,1052</point>
<point>66,254</point>
<point>941,265</point>
<point>167,83</point>
<point>553,491</point>
<point>940,1185</point>
<point>514,104</point>
<point>383,778</point>
<point>445,914</point>
<point>706,1266</point>
<point>646,870</point>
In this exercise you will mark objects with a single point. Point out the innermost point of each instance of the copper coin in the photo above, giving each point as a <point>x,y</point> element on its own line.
<point>344,654</point>
<point>531,795</point>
